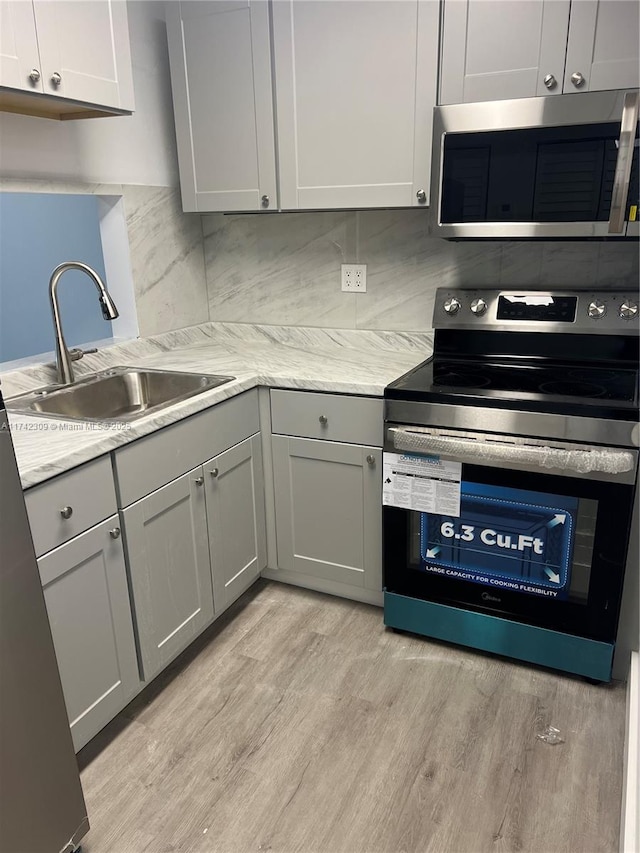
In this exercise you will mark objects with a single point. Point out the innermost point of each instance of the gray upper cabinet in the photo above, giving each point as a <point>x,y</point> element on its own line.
<point>355,86</point>
<point>85,589</point>
<point>603,51</point>
<point>492,50</point>
<point>236,520</point>
<point>168,557</point>
<point>69,51</point>
<point>221,78</point>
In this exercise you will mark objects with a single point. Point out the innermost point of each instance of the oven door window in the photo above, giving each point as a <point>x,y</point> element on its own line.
<point>531,543</point>
<point>539,548</point>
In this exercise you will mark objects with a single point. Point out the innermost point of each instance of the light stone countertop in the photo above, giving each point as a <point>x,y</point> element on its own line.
<point>340,361</point>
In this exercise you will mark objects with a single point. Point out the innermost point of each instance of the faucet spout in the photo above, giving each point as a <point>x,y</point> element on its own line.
<point>108,306</point>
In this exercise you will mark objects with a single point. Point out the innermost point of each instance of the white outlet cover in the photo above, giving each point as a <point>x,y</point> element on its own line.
<point>354,278</point>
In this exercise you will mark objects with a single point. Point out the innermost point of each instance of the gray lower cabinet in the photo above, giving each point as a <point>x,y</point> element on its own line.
<point>85,589</point>
<point>236,520</point>
<point>168,556</point>
<point>328,498</point>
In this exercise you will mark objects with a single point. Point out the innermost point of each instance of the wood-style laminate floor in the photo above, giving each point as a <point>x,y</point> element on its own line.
<point>299,723</point>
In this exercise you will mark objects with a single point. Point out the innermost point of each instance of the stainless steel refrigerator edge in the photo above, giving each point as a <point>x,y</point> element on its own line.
<point>42,808</point>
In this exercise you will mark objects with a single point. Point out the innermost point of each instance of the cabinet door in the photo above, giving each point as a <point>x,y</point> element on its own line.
<point>603,46</point>
<point>85,589</point>
<point>84,50</point>
<point>492,50</point>
<point>166,541</point>
<point>329,510</point>
<point>236,520</point>
<point>19,55</point>
<point>355,90</point>
<point>221,80</point>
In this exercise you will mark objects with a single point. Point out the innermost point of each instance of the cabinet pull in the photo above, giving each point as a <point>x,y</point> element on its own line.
<point>56,79</point>
<point>114,533</point>
<point>199,481</point>
<point>550,81</point>
<point>214,472</point>
<point>421,196</point>
<point>324,420</point>
<point>66,511</point>
<point>371,459</point>
<point>577,78</point>
<point>265,200</point>
<point>34,75</point>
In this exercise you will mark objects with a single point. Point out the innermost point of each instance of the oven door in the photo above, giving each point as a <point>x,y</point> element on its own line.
<point>526,530</point>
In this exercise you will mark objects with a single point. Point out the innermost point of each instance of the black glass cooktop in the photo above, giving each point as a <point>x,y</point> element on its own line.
<point>563,388</point>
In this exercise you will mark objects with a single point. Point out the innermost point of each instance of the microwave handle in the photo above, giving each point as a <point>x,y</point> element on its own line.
<point>623,163</point>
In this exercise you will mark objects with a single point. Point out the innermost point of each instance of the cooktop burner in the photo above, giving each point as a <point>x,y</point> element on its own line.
<point>571,388</point>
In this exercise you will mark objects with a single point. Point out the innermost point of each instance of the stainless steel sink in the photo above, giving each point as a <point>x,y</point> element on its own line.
<point>119,394</point>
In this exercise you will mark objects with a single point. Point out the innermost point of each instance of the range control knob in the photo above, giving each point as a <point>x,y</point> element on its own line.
<point>478,307</point>
<point>628,310</point>
<point>596,309</point>
<point>451,306</point>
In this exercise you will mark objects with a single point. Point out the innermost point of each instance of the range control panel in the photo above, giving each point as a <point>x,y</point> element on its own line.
<point>583,312</point>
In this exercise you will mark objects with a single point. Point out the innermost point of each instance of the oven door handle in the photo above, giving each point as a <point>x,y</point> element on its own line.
<point>476,451</point>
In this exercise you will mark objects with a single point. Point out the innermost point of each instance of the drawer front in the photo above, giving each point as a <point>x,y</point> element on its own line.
<point>334,417</point>
<point>70,504</point>
<point>152,462</point>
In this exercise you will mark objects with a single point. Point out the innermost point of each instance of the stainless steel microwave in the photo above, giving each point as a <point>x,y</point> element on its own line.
<point>563,166</point>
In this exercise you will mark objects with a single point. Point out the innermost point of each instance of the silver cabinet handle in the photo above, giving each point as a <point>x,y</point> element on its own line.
<point>66,511</point>
<point>324,420</point>
<point>114,533</point>
<point>371,459</point>
<point>577,79</point>
<point>199,481</point>
<point>550,81</point>
<point>265,201</point>
<point>34,75</point>
<point>56,79</point>
<point>214,472</point>
<point>623,163</point>
<point>421,196</point>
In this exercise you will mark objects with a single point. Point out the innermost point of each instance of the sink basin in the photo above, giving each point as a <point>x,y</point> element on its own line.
<point>119,394</point>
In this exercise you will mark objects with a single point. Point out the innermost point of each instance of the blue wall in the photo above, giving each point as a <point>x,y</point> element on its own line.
<point>38,232</point>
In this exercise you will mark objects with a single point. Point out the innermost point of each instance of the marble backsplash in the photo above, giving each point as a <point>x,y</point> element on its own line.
<point>285,268</point>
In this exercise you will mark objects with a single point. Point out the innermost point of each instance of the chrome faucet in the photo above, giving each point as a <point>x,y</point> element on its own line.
<point>64,357</point>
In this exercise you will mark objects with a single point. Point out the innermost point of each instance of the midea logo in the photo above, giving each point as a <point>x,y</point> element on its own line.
<point>486,597</point>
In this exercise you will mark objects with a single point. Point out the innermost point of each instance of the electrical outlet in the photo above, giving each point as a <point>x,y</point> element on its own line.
<point>354,278</point>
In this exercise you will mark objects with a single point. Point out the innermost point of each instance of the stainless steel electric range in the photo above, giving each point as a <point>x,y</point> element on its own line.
<point>509,476</point>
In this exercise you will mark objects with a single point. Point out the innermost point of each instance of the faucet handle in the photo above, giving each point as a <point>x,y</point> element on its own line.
<point>76,353</point>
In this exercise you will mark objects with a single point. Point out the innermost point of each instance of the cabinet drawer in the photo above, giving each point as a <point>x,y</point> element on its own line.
<point>86,495</point>
<point>147,464</point>
<point>335,417</point>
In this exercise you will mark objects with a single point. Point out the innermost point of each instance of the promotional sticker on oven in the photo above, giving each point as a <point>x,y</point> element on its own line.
<point>507,539</point>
